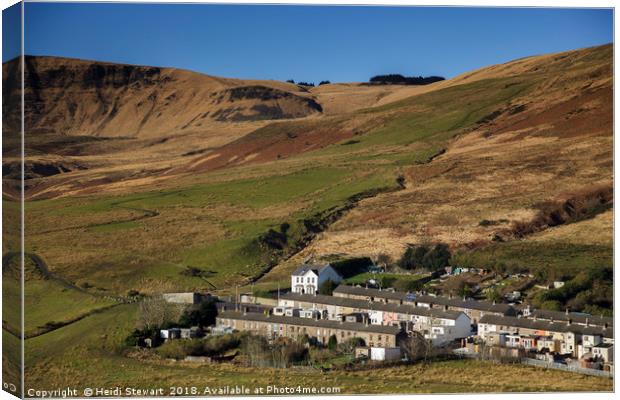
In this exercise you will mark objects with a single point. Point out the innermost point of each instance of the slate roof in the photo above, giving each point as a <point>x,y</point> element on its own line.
<point>543,325</point>
<point>505,309</point>
<point>317,268</point>
<point>579,318</point>
<point>367,305</point>
<point>361,291</point>
<point>320,323</point>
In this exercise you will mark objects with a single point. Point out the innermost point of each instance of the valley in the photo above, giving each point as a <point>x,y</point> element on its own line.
<point>137,177</point>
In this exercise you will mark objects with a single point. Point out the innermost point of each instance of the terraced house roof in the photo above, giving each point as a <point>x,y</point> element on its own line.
<point>505,309</point>
<point>578,318</point>
<point>543,325</point>
<point>319,323</point>
<point>361,291</point>
<point>371,306</point>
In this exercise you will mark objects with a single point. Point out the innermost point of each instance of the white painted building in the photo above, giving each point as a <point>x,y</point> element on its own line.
<point>604,351</point>
<point>385,353</point>
<point>437,325</point>
<point>443,327</point>
<point>308,278</point>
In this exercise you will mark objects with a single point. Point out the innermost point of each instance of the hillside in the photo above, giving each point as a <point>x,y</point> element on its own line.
<point>159,193</point>
<point>143,180</point>
<point>76,97</point>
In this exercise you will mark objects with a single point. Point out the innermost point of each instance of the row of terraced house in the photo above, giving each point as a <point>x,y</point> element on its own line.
<point>383,318</point>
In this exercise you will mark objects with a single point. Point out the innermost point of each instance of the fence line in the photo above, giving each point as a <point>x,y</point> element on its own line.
<point>544,364</point>
<point>564,367</point>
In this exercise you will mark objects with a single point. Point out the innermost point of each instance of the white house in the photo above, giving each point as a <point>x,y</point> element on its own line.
<point>604,351</point>
<point>442,326</point>
<point>307,278</point>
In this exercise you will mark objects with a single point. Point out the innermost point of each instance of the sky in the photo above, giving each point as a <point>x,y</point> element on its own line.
<point>306,43</point>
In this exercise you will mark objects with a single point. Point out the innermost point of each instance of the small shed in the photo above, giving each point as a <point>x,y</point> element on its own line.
<point>385,353</point>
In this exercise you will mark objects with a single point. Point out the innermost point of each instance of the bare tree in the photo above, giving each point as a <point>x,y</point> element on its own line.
<point>416,347</point>
<point>154,312</point>
<point>384,260</point>
<point>256,349</point>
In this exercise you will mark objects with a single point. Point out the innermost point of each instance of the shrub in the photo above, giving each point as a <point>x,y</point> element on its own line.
<point>349,345</point>
<point>217,345</point>
<point>138,337</point>
<point>424,257</point>
<point>181,348</point>
<point>493,295</point>
<point>327,287</point>
<point>407,285</point>
<point>286,352</point>
<point>332,343</point>
<point>352,266</point>
<point>204,315</point>
<point>256,349</point>
<point>583,204</point>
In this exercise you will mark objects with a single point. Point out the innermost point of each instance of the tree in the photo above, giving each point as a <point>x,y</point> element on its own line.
<point>413,257</point>
<point>332,343</point>
<point>422,256</point>
<point>384,260</point>
<point>403,80</point>
<point>204,315</point>
<point>286,352</point>
<point>327,287</point>
<point>155,312</point>
<point>416,347</point>
<point>458,287</point>
<point>256,349</point>
<point>324,83</point>
<point>438,257</point>
<point>291,81</point>
<point>494,295</point>
<point>349,345</point>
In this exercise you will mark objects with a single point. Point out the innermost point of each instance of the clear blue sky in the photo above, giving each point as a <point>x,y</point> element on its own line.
<point>308,43</point>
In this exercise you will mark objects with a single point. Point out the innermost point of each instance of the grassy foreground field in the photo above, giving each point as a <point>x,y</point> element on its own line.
<point>52,364</point>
